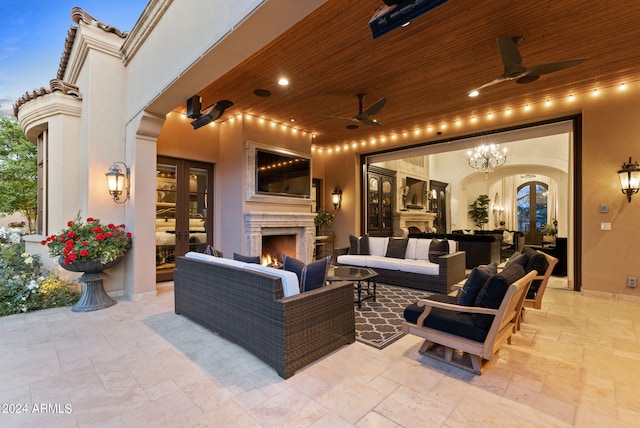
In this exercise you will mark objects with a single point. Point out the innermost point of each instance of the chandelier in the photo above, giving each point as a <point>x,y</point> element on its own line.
<point>487,158</point>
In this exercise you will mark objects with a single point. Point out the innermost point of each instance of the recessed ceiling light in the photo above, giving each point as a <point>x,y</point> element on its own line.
<point>473,94</point>
<point>262,92</point>
<point>283,81</point>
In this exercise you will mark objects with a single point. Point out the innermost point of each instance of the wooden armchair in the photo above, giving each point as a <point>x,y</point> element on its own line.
<point>460,345</point>
<point>536,300</point>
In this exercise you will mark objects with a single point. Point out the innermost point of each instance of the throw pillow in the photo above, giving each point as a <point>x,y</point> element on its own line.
<point>397,248</point>
<point>246,259</point>
<point>537,262</point>
<point>493,291</point>
<point>294,265</point>
<point>315,274</point>
<point>353,245</point>
<point>472,286</point>
<point>364,246</point>
<point>438,248</point>
<point>517,259</point>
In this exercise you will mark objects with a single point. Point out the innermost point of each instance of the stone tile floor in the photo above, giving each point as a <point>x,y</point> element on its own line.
<point>574,363</point>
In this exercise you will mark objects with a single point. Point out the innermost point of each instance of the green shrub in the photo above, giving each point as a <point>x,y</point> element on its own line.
<point>26,286</point>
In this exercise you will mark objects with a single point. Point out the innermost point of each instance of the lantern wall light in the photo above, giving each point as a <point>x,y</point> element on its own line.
<point>629,178</point>
<point>118,181</point>
<point>336,198</point>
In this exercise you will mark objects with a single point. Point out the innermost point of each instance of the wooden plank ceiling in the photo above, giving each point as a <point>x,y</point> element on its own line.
<point>426,69</point>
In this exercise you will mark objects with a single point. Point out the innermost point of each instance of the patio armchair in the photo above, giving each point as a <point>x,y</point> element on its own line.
<point>467,336</point>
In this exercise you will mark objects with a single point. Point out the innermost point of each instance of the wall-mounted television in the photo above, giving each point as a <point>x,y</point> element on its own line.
<point>282,174</point>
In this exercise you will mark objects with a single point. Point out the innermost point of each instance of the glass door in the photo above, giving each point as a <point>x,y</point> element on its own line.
<point>532,211</point>
<point>183,220</point>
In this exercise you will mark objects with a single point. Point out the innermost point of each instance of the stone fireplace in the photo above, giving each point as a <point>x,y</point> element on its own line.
<point>297,226</point>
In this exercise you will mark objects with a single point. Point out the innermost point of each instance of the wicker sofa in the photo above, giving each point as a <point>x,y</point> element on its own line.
<point>248,307</point>
<point>410,267</point>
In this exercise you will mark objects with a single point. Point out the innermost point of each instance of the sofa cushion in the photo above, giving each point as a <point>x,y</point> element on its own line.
<point>381,262</point>
<point>212,259</point>
<point>472,286</point>
<point>423,267</point>
<point>246,259</point>
<point>412,244</point>
<point>378,245</point>
<point>422,249</point>
<point>438,248</point>
<point>353,260</point>
<point>458,323</point>
<point>290,285</point>
<point>397,248</point>
<point>493,291</point>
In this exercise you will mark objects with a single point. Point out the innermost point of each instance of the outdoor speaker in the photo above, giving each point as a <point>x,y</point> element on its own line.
<point>193,107</point>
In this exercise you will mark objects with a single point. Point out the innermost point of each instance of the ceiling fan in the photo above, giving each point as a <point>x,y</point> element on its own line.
<point>514,70</point>
<point>364,116</point>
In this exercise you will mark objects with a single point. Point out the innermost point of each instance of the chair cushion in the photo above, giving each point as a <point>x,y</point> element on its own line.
<point>453,322</point>
<point>438,248</point>
<point>213,252</point>
<point>246,259</point>
<point>472,286</point>
<point>422,249</point>
<point>493,291</point>
<point>397,248</point>
<point>315,274</point>
<point>290,285</point>
<point>537,262</point>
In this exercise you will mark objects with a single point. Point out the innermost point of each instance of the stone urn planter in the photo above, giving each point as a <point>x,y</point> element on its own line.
<point>93,295</point>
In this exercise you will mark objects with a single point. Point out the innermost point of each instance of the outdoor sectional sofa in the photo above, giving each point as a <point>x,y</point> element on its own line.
<point>246,304</point>
<point>405,262</point>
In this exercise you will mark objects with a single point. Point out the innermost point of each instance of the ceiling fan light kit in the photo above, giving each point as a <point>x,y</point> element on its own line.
<point>514,70</point>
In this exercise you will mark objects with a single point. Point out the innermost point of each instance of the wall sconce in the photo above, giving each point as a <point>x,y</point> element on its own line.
<point>118,181</point>
<point>629,178</point>
<point>336,198</point>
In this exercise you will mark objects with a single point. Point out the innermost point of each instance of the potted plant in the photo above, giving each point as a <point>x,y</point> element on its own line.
<point>90,247</point>
<point>549,232</point>
<point>322,219</point>
<point>479,211</point>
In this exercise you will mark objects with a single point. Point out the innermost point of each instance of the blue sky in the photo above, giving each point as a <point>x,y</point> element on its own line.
<point>32,35</point>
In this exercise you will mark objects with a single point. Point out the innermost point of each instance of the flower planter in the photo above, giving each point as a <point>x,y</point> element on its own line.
<point>93,295</point>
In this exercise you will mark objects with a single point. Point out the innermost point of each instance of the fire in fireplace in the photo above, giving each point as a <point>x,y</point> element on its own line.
<point>274,247</point>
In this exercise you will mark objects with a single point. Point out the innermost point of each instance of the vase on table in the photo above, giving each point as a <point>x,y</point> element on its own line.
<point>93,295</point>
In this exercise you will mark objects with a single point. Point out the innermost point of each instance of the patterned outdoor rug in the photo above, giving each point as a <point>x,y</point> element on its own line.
<point>379,323</point>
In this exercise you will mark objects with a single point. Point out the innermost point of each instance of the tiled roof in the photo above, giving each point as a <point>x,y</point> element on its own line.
<point>77,15</point>
<point>55,85</point>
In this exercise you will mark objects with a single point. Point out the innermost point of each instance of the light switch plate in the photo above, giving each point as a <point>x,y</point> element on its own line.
<point>605,226</point>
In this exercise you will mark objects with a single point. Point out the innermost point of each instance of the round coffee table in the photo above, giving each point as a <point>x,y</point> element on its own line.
<point>357,275</point>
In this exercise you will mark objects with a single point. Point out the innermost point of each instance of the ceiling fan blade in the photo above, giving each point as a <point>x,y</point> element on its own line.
<point>486,85</point>
<point>539,70</point>
<point>373,109</point>
<point>369,122</point>
<point>340,117</point>
<point>510,54</point>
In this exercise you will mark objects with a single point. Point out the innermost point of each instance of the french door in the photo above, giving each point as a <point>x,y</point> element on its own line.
<point>532,211</point>
<point>184,204</point>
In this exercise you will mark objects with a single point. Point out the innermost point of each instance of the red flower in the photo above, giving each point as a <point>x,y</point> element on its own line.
<point>69,243</point>
<point>84,253</point>
<point>69,223</point>
<point>129,235</point>
<point>85,243</point>
<point>100,237</point>
<point>71,234</point>
<point>90,219</point>
<point>97,230</point>
<point>111,226</point>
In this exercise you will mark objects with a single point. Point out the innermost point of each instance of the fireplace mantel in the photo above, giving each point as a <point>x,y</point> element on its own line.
<point>258,224</point>
<point>420,219</point>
